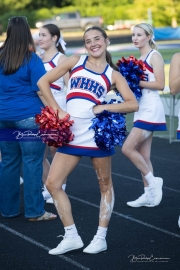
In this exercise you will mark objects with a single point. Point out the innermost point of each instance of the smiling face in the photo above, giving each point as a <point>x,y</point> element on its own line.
<point>95,43</point>
<point>140,38</point>
<point>45,39</point>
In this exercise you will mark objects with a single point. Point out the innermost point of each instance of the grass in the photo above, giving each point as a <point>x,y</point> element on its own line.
<point>166,54</point>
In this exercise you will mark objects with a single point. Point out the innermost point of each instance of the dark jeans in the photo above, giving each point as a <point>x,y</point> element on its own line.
<point>14,154</point>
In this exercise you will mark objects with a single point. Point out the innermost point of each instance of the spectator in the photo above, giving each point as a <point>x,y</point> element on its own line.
<point>20,69</point>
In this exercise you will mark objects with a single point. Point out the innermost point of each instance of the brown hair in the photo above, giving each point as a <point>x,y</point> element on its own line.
<point>18,45</point>
<point>108,55</point>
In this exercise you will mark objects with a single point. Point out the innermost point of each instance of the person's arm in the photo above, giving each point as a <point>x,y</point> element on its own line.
<point>42,98</point>
<point>174,74</point>
<point>130,103</point>
<point>157,64</point>
<point>50,77</point>
<point>66,76</point>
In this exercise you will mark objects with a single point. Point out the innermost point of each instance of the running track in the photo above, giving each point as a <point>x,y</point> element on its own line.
<point>138,238</point>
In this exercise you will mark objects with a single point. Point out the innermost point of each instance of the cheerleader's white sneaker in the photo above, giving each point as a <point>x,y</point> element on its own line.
<point>155,191</point>
<point>179,222</point>
<point>98,244</point>
<point>67,244</point>
<point>143,200</point>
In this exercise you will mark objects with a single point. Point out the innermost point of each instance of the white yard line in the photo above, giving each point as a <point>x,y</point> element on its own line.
<point>128,177</point>
<point>32,241</point>
<point>127,217</point>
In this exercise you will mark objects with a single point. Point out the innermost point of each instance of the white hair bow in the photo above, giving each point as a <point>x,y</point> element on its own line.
<point>63,43</point>
<point>153,37</point>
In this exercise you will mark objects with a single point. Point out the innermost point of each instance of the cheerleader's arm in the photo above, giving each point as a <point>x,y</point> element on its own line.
<point>174,74</point>
<point>157,64</point>
<point>130,103</point>
<point>50,77</point>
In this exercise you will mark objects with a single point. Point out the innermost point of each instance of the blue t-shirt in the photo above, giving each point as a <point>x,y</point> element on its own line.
<point>18,91</point>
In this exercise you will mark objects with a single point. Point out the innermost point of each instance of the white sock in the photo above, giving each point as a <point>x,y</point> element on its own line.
<point>150,178</point>
<point>64,187</point>
<point>146,190</point>
<point>71,231</point>
<point>102,231</point>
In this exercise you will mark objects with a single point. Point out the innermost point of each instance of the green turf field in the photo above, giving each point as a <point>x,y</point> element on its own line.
<point>166,54</point>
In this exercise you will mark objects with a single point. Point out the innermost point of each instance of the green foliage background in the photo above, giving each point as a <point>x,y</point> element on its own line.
<point>162,11</point>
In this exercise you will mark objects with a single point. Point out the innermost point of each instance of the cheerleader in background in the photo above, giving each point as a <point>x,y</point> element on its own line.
<point>53,46</point>
<point>91,78</point>
<point>149,118</point>
<point>174,85</point>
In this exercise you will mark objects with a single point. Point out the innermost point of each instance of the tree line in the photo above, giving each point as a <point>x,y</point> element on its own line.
<point>163,13</point>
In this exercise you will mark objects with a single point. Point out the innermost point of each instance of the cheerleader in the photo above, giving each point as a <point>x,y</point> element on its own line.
<point>174,85</point>
<point>53,46</point>
<point>91,78</point>
<point>149,118</point>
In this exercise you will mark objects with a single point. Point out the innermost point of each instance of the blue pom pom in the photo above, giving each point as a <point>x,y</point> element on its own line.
<point>110,128</point>
<point>133,71</point>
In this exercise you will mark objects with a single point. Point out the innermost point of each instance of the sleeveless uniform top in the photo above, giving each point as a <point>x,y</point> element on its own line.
<point>151,114</point>
<point>86,89</point>
<point>150,77</point>
<point>58,85</point>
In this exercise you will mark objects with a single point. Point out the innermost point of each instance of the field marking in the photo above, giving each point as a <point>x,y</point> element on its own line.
<point>32,241</point>
<point>127,217</point>
<point>166,159</point>
<point>128,177</point>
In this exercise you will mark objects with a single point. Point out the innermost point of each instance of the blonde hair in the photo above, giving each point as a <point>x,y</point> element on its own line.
<point>148,29</point>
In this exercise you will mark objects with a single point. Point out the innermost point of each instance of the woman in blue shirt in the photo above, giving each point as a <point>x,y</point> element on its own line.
<point>20,101</point>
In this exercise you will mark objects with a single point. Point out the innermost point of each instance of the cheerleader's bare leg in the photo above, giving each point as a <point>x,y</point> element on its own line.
<point>103,170</point>
<point>53,151</point>
<point>62,165</point>
<point>145,150</point>
<point>46,168</point>
<point>137,148</point>
<point>130,148</point>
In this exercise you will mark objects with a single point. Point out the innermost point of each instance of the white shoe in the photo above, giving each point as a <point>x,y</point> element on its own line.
<point>143,200</point>
<point>46,194</point>
<point>21,180</point>
<point>179,222</point>
<point>98,244</point>
<point>67,245</point>
<point>155,191</point>
<point>50,200</point>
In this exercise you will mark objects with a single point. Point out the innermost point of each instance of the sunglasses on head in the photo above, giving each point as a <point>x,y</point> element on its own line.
<point>22,17</point>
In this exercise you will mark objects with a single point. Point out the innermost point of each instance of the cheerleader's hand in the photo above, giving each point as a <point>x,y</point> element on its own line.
<point>63,115</point>
<point>98,109</point>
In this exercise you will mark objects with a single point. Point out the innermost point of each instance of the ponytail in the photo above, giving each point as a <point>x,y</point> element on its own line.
<point>153,45</point>
<point>59,47</point>
<point>110,62</point>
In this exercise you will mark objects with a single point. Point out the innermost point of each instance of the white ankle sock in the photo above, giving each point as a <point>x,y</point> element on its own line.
<point>146,190</point>
<point>150,178</point>
<point>64,187</point>
<point>102,231</point>
<point>71,231</point>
